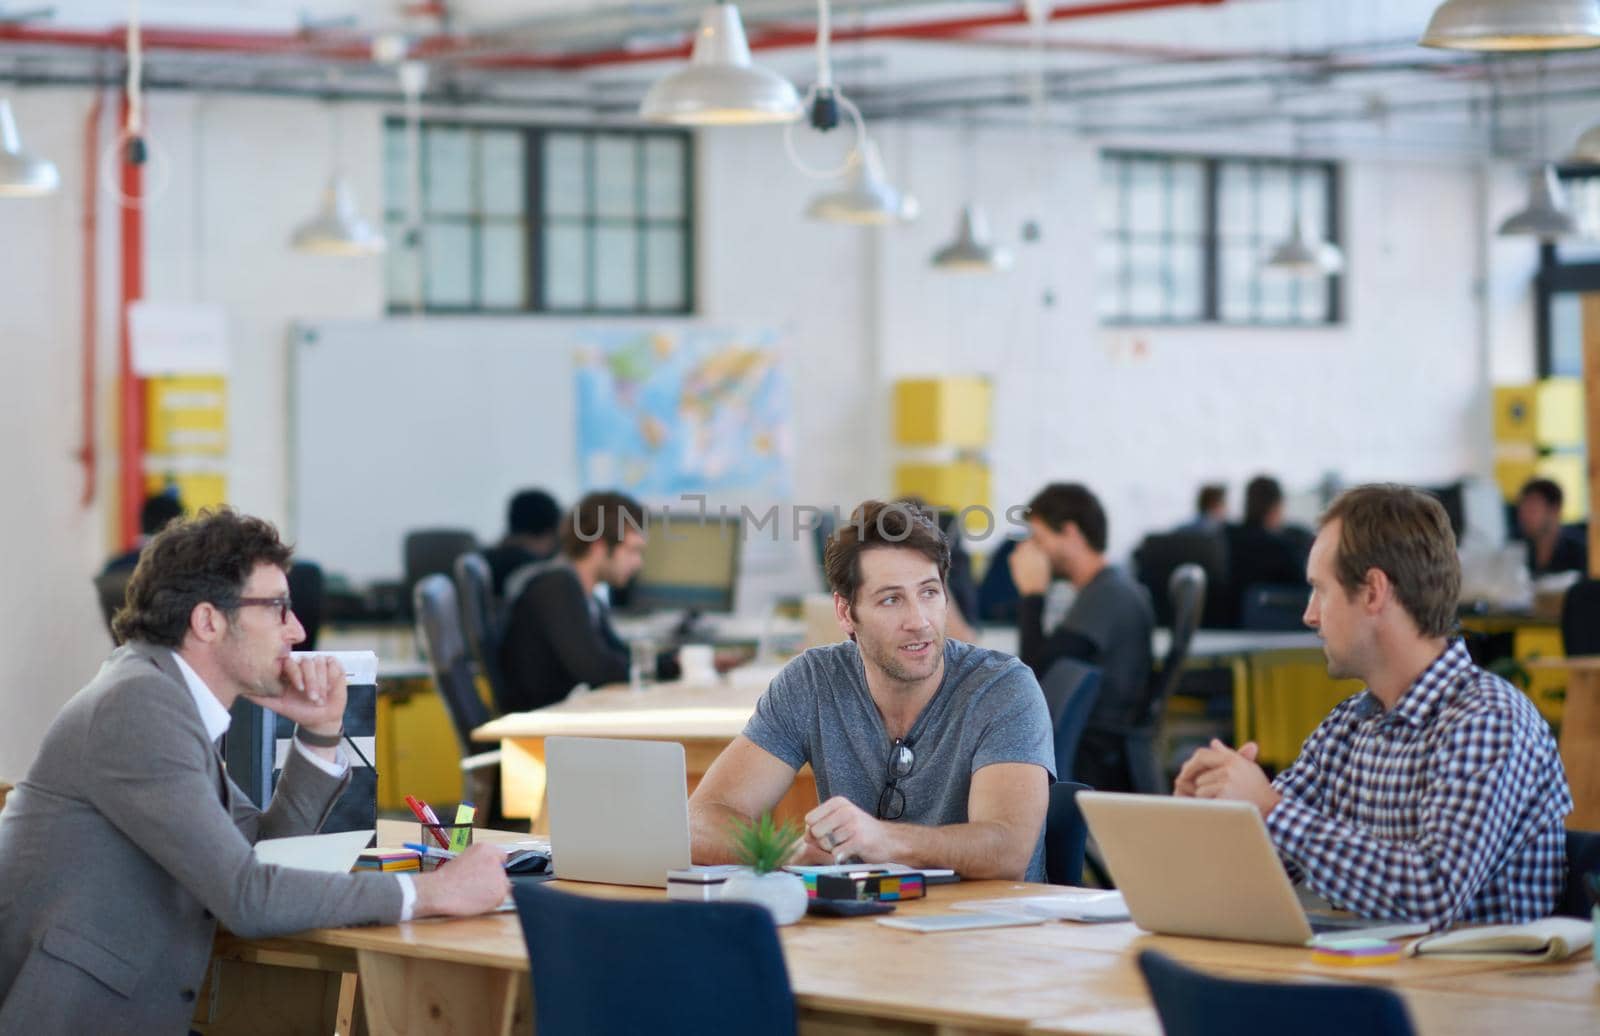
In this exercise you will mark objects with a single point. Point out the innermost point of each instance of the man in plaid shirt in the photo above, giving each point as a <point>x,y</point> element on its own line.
<point>1436,794</point>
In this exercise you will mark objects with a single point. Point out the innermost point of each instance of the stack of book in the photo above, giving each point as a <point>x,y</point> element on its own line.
<point>388,860</point>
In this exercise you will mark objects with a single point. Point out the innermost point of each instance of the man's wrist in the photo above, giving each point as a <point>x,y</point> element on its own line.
<point>320,738</point>
<point>1268,801</point>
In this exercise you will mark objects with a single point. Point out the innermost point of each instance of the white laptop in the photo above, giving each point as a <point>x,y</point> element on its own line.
<point>1207,868</point>
<point>619,810</point>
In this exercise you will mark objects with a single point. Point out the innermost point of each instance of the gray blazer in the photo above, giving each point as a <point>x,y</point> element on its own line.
<point>125,845</point>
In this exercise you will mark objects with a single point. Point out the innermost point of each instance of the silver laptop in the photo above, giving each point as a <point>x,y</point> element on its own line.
<point>619,810</point>
<point>1208,868</point>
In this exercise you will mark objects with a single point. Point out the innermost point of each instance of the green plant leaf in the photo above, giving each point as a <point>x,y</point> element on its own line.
<point>762,845</point>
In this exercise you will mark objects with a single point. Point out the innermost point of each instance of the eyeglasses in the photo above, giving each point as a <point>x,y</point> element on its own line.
<point>283,605</point>
<point>892,803</point>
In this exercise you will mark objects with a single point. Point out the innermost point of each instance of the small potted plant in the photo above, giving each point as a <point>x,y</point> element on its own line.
<point>765,847</point>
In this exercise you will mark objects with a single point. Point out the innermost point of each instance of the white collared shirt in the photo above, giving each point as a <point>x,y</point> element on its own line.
<point>217,719</point>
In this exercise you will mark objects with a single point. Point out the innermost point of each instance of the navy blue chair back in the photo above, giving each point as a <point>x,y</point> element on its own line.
<point>1065,834</point>
<point>439,631</point>
<point>604,967</point>
<point>1191,1003</point>
<point>1274,606</point>
<point>1580,618</point>
<point>1583,857</point>
<point>480,621</point>
<point>1070,690</point>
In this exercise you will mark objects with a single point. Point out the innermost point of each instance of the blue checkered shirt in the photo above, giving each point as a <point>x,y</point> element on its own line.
<point>1447,808</point>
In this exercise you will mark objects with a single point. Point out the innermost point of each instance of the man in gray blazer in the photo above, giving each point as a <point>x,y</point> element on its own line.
<point>126,843</point>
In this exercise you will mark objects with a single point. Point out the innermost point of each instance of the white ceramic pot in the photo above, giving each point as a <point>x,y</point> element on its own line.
<point>782,893</point>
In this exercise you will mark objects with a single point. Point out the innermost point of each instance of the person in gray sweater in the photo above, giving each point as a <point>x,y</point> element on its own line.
<point>126,843</point>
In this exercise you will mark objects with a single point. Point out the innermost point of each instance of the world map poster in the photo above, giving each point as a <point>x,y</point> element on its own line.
<point>664,413</point>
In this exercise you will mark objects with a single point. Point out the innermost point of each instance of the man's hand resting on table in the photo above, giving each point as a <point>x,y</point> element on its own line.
<point>473,883</point>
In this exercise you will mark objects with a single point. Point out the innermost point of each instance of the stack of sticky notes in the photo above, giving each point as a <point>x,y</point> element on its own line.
<point>388,860</point>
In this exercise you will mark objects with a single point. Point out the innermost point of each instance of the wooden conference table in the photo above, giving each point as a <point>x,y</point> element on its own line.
<point>851,975</point>
<point>704,716</point>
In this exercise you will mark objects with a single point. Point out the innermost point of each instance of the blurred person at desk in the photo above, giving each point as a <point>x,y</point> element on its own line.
<point>1109,624</point>
<point>127,843</point>
<point>533,522</point>
<point>158,510</point>
<point>1264,549</point>
<point>926,751</point>
<point>1551,548</point>
<point>1436,794</point>
<point>559,634</point>
<point>1210,510</point>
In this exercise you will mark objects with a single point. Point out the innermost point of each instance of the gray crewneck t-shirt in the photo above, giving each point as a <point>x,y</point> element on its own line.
<point>988,709</point>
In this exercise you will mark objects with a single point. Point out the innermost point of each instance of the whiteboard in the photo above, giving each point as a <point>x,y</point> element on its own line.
<point>414,423</point>
<point>425,422</point>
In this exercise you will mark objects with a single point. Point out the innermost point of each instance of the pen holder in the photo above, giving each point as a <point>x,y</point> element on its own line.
<point>458,835</point>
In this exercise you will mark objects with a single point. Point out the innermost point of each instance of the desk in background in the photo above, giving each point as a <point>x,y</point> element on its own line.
<point>853,975</point>
<point>703,717</point>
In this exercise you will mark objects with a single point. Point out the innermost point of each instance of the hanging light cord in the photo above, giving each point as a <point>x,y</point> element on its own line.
<point>824,84</point>
<point>135,124</point>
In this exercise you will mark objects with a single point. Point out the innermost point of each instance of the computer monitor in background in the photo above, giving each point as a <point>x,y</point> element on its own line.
<point>1452,497</point>
<point>690,563</point>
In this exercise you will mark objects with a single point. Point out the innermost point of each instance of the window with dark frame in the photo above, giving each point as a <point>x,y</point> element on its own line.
<point>1568,270</point>
<point>1185,238</point>
<point>569,220</point>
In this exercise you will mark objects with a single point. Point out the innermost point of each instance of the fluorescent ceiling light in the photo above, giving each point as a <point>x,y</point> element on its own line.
<point>338,229</point>
<point>1514,25</point>
<point>719,86</point>
<point>868,200</point>
<point>22,175</point>
<point>1545,216</point>
<point>971,251</point>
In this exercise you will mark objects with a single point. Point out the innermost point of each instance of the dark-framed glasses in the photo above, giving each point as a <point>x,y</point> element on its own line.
<point>892,803</point>
<point>283,604</point>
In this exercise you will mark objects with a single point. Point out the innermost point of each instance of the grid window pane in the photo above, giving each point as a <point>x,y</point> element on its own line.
<point>504,173</point>
<point>616,267</point>
<point>1237,283</point>
<point>608,229</point>
<point>566,174</point>
<point>566,266</point>
<point>1146,198</point>
<point>447,265</point>
<point>448,172</point>
<point>616,177</point>
<point>665,280</point>
<point>502,259</point>
<point>1152,265</point>
<point>1188,194</point>
<point>665,171</point>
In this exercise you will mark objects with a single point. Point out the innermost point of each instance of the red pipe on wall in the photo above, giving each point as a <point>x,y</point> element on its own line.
<point>131,444</point>
<point>91,261</point>
<point>442,47</point>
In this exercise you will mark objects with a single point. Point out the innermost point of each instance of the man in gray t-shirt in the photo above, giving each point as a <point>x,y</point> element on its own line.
<point>927,752</point>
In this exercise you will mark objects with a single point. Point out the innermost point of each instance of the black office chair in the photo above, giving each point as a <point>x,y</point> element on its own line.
<point>997,594</point>
<point>439,633</point>
<point>691,968</point>
<point>111,588</point>
<point>1580,619</point>
<point>433,552</point>
<point>481,621</point>
<point>1071,689</point>
<point>1146,774</point>
<point>1065,835</point>
<point>1583,858</point>
<point>1161,554</point>
<point>305,590</point>
<point>1192,1003</point>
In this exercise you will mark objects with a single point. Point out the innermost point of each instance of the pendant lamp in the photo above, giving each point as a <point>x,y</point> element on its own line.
<point>719,86</point>
<point>972,251</point>
<point>22,175</point>
<point>1514,25</point>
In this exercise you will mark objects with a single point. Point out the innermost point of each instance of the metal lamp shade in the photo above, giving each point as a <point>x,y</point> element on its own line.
<point>1514,25</point>
<point>719,86</point>
<point>1545,216</point>
<point>1303,255</point>
<point>971,251</point>
<point>22,175</point>
<point>338,229</point>
<point>869,200</point>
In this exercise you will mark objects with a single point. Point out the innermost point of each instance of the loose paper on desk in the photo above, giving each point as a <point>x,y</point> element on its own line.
<point>1078,905</point>
<point>334,853</point>
<point>1554,938</point>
